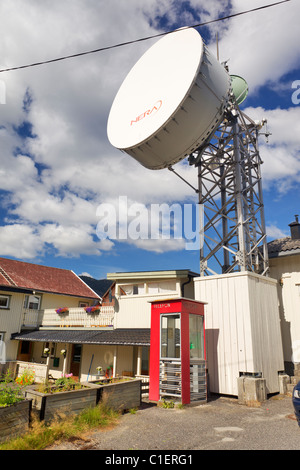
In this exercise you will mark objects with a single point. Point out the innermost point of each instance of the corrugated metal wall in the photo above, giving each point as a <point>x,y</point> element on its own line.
<point>242,329</point>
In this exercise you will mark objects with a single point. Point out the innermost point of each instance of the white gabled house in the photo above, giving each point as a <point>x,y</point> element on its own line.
<point>284,260</point>
<point>82,326</point>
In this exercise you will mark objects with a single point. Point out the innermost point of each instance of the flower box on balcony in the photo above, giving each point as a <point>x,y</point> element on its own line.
<point>62,311</point>
<point>92,310</point>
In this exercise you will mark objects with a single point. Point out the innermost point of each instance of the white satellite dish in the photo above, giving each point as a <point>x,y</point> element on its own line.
<point>170,102</point>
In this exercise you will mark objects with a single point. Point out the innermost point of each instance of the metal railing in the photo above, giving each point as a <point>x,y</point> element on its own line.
<point>198,385</point>
<point>145,381</point>
<point>170,378</point>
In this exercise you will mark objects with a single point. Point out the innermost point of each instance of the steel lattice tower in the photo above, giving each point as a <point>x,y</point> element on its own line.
<point>230,190</point>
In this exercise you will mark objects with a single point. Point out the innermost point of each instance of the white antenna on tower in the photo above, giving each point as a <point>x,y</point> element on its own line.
<point>178,101</point>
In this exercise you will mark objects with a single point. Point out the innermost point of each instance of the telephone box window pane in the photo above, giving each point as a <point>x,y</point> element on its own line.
<point>196,336</point>
<point>170,336</point>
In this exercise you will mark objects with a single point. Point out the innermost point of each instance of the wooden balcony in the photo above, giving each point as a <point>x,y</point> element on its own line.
<point>74,317</point>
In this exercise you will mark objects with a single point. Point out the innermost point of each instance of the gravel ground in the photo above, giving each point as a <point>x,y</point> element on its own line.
<point>219,424</point>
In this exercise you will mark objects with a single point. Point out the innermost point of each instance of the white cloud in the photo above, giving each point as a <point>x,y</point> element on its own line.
<point>161,246</point>
<point>273,232</point>
<point>20,241</point>
<point>56,179</point>
<point>281,156</point>
<point>264,45</point>
<point>73,241</point>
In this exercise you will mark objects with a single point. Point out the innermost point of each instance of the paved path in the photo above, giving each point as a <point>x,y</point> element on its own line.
<point>220,424</point>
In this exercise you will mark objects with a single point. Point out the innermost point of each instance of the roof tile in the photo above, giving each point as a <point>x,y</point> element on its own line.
<point>286,244</point>
<point>15,273</point>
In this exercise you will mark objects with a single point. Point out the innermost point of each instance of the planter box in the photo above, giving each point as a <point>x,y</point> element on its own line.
<point>48,405</point>
<point>15,419</point>
<point>121,395</point>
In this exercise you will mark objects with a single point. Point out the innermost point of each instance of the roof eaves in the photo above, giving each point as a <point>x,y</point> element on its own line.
<point>138,337</point>
<point>110,287</point>
<point>282,253</point>
<point>78,277</point>
<point>171,274</point>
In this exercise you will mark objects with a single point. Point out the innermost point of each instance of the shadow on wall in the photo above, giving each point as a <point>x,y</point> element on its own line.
<point>286,334</point>
<point>211,339</point>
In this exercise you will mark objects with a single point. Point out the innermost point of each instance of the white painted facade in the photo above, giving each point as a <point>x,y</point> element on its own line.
<point>242,329</point>
<point>286,270</point>
<point>135,291</point>
<point>10,322</point>
<point>13,315</point>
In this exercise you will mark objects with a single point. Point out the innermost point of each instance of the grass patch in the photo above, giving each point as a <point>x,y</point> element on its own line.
<point>43,435</point>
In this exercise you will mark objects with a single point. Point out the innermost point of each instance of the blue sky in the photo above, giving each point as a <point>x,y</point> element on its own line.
<point>56,164</point>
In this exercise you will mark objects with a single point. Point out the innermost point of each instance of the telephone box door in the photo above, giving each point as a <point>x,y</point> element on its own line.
<point>177,351</point>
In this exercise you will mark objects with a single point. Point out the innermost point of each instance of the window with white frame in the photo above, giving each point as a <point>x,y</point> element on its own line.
<point>132,289</point>
<point>151,288</point>
<point>32,301</point>
<point>162,287</point>
<point>4,301</point>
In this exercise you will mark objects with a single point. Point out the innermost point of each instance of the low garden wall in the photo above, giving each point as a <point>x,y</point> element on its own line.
<point>39,370</point>
<point>48,405</point>
<point>15,419</point>
<point>122,394</point>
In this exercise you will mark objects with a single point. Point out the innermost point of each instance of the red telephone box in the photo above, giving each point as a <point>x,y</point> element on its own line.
<point>177,350</point>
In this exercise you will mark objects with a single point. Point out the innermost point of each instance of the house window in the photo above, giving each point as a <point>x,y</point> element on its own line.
<point>132,289</point>
<point>32,301</point>
<point>162,287</point>
<point>51,346</point>
<point>4,301</point>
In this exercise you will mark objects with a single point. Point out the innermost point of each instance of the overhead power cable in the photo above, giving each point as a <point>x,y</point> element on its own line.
<point>102,49</point>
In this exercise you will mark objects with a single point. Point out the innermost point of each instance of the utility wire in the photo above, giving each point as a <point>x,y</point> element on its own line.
<point>79,54</point>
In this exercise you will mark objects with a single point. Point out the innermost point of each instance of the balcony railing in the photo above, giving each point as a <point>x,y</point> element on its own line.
<point>74,317</point>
